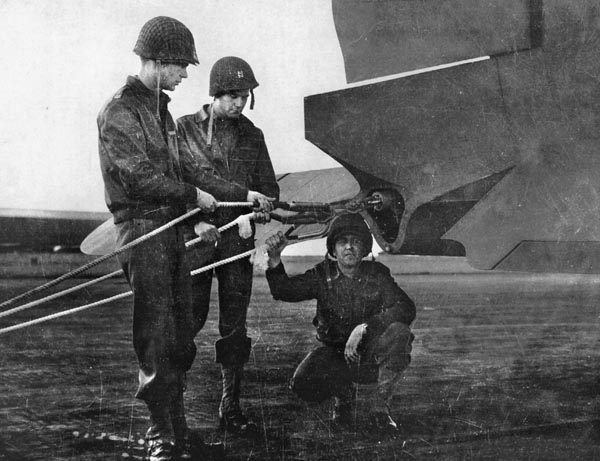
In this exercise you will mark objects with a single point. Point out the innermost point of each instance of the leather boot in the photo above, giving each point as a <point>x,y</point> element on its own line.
<point>342,409</point>
<point>187,445</point>
<point>231,417</point>
<point>380,399</point>
<point>160,437</point>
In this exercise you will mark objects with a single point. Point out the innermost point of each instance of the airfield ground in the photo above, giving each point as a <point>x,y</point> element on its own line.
<point>505,367</point>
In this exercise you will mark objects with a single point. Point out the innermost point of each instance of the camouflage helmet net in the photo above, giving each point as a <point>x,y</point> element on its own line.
<point>166,39</point>
<point>229,74</point>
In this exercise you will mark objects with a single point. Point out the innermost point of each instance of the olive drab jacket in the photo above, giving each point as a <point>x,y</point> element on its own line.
<point>243,160</point>
<point>371,296</point>
<point>146,174</point>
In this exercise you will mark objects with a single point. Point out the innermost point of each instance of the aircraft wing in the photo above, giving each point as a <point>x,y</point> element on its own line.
<point>46,230</point>
<point>497,159</point>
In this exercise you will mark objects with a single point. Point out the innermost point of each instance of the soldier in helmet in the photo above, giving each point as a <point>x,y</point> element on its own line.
<point>227,144</point>
<point>149,180</point>
<point>362,322</point>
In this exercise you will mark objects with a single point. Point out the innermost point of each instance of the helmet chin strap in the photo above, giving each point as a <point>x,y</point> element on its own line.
<point>158,64</point>
<point>209,135</point>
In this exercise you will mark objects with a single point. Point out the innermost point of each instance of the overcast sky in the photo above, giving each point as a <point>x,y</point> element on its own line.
<point>62,59</point>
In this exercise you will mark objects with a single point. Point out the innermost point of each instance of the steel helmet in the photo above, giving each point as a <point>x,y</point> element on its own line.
<point>166,39</point>
<point>349,223</point>
<point>230,74</point>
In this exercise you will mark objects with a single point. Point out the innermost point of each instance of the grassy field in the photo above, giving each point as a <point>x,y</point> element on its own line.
<point>505,366</point>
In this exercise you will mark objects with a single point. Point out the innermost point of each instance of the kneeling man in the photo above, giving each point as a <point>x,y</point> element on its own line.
<point>362,322</point>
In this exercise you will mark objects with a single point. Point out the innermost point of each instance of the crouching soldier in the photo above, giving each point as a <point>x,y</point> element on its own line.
<point>362,322</point>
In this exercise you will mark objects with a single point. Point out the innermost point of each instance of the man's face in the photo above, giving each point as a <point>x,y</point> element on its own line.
<point>349,250</point>
<point>171,75</point>
<point>231,105</point>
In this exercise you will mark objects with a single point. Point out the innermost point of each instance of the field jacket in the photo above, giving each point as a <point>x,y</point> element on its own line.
<point>146,175</point>
<point>371,297</point>
<point>247,164</point>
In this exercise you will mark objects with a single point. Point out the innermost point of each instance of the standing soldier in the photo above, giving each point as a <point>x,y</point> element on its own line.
<point>228,145</point>
<point>148,182</point>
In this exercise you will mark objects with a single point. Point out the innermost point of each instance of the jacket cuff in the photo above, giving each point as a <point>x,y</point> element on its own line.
<point>278,269</point>
<point>190,195</point>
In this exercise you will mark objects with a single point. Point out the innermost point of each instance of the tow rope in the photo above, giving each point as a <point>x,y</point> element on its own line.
<point>239,221</point>
<point>313,210</point>
<point>126,247</point>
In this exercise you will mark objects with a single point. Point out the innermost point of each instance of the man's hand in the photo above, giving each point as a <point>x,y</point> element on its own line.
<point>205,201</point>
<point>261,218</point>
<point>351,351</point>
<point>264,203</point>
<point>275,245</point>
<point>207,232</point>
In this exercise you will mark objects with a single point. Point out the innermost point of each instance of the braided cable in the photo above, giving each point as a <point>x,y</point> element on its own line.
<point>114,274</point>
<point>37,302</point>
<point>97,261</point>
<point>126,247</point>
<point>245,254</point>
<point>63,313</point>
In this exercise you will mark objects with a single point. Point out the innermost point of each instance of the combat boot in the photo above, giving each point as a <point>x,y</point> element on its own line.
<point>382,423</point>
<point>189,446</point>
<point>159,437</point>
<point>161,450</point>
<point>342,409</point>
<point>231,417</point>
<point>380,420</point>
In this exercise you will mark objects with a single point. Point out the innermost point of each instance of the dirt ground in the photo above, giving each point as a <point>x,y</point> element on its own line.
<point>504,368</point>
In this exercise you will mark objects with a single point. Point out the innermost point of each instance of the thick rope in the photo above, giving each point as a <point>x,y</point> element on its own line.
<point>113,274</point>
<point>63,313</point>
<point>37,302</point>
<point>235,204</point>
<point>97,261</point>
<point>245,254</point>
<point>229,225</point>
<point>130,245</point>
<point>59,294</point>
<point>116,297</point>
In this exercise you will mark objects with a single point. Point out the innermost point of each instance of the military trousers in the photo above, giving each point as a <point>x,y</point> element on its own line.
<point>234,291</point>
<point>159,276</point>
<point>324,372</point>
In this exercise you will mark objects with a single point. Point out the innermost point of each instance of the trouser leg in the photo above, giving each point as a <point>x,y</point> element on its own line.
<point>235,288</point>
<point>233,349</point>
<point>201,285</point>
<point>162,337</point>
<point>161,426</point>
<point>390,353</point>
<point>178,420</point>
<point>321,375</point>
<point>324,374</point>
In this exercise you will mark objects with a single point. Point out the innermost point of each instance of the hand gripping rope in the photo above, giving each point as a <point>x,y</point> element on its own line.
<point>240,221</point>
<point>101,259</point>
<point>318,211</point>
<point>292,206</point>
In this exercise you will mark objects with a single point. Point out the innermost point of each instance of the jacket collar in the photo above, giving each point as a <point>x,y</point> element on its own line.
<point>335,270</point>
<point>203,115</point>
<point>142,90</point>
